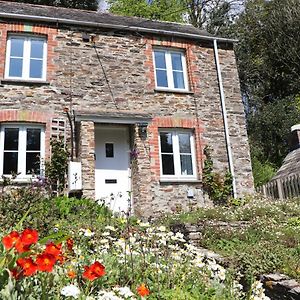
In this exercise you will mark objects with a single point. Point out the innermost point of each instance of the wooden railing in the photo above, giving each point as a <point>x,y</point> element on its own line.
<point>287,187</point>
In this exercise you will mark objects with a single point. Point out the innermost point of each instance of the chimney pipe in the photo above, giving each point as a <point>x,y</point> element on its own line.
<point>294,141</point>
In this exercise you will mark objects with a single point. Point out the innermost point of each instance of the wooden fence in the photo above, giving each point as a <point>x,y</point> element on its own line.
<point>283,188</point>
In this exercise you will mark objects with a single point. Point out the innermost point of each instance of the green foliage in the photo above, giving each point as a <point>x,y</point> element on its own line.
<point>218,187</point>
<point>80,4</point>
<point>155,10</point>
<point>56,168</point>
<point>262,171</point>
<point>269,72</point>
<point>294,221</point>
<point>261,236</point>
<point>17,202</point>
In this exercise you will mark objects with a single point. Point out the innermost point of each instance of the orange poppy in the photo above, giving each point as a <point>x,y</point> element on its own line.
<point>94,271</point>
<point>53,249</point>
<point>45,262</point>
<point>60,258</point>
<point>28,266</point>
<point>29,236</point>
<point>143,290</point>
<point>70,244</point>
<point>9,240</point>
<point>20,247</point>
<point>71,274</point>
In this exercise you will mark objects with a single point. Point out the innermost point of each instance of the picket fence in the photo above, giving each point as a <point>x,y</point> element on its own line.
<point>282,188</point>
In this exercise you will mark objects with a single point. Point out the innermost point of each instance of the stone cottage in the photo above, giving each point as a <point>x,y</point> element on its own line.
<point>136,100</point>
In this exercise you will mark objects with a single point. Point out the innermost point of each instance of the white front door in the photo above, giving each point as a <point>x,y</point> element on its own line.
<point>112,168</point>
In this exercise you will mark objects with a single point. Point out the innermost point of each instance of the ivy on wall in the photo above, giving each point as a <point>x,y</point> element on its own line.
<point>216,185</point>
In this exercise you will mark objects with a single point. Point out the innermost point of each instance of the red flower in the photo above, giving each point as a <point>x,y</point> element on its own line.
<point>16,273</point>
<point>53,249</point>
<point>94,271</point>
<point>143,290</point>
<point>29,236</point>
<point>20,247</point>
<point>28,266</point>
<point>10,240</point>
<point>45,262</point>
<point>70,244</point>
<point>60,258</point>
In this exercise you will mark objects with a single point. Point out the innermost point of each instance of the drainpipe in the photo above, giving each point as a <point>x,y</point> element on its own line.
<point>224,112</point>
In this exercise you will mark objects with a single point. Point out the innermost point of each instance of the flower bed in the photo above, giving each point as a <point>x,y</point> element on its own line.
<point>126,262</point>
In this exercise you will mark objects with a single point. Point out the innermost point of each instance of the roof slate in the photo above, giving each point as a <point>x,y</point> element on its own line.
<point>290,166</point>
<point>95,17</point>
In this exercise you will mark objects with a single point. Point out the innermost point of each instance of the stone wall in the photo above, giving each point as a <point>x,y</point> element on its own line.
<point>76,79</point>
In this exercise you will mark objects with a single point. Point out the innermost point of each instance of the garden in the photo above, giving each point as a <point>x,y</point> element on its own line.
<point>68,248</point>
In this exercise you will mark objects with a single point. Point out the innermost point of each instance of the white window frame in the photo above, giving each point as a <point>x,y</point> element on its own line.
<point>169,69</point>
<point>26,57</point>
<point>176,155</point>
<point>22,143</point>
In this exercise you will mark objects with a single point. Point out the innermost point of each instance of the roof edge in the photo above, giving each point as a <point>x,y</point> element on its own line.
<point>113,26</point>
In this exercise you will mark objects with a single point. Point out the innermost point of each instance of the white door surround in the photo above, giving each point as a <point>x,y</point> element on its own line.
<point>112,167</point>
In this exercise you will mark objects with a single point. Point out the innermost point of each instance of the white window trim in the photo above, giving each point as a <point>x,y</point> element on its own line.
<point>176,154</point>
<point>170,80</point>
<point>22,149</point>
<point>26,58</point>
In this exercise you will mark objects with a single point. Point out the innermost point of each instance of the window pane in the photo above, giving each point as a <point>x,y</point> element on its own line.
<point>167,164</point>
<point>33,139</point>
<point>186,165</point>
<point>37,49</point>
<point>36,68</point>
<point>17,47</point>
<point>160,60</point>
<point>184,143</point>
<point>11,138</point>
<point>178,80</point>
<point>10,164</point>
<point>109,149</point>
<point>176,61</point>
<point>33,163</point>
<point>161,78</point>
<point>166,142</point>
<point>15,67</point>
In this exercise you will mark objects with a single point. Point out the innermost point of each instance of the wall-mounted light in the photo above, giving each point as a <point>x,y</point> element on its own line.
<point>85,37</point>
<point>142,130</point>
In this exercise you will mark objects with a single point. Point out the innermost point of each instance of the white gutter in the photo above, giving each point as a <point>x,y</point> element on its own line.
<point>224,112</point>
<point>113,26</point>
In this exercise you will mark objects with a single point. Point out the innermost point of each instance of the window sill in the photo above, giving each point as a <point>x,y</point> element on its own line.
<point>173,91</point>
<point>179,180</point>
<point>24,82</point>
<point>21,180</point>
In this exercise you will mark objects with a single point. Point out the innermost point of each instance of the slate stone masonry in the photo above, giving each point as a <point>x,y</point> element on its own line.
<point>75,79</point>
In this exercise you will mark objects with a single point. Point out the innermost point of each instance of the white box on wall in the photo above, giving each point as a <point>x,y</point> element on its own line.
<point>74,176</point>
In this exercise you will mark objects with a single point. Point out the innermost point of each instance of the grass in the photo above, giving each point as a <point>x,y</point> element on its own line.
<point>269,242</point>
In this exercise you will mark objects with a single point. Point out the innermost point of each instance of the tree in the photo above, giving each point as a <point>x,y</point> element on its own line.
<point>155,9</point>
<point>269,66</point>
<point>80,4</point>
<point>215,16</point>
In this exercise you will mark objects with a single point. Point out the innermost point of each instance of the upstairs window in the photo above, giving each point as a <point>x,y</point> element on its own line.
<point>22,150</point>
<point>26,58</point>
<point>177,154</point>
<point>170,70</point>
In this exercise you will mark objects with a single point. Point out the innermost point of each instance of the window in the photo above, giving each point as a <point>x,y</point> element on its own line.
<point>177,154</point>
<point>26,58</point>
<point>22,150</point>
<point>170,70</point>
